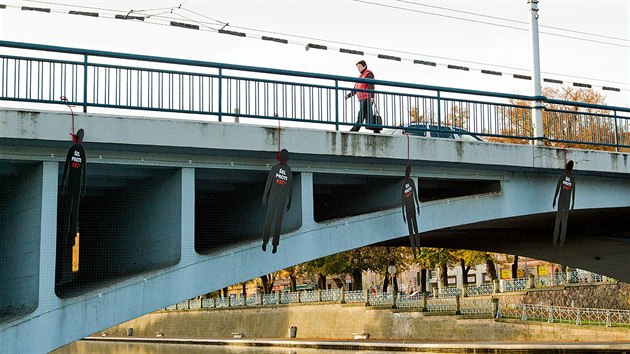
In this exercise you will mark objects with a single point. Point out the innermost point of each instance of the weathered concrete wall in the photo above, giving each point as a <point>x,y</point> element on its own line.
<point>604,296</point>
<point>336,321</point>
<point>20,231</point>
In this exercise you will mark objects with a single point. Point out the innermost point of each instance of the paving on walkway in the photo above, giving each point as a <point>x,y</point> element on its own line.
<point>381,345</point>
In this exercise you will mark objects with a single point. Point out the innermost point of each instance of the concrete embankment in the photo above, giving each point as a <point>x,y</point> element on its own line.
<point>343,321</point>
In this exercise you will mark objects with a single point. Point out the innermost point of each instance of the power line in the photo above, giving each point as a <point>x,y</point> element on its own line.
<point>486,23</point>
<point>511,20</point>
<point>204,16</point>
<point>172,21</point>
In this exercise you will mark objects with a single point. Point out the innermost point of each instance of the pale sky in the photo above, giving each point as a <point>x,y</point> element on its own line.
<point>490,35</point>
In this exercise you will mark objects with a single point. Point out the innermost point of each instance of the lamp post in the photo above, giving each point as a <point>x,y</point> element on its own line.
<point>537,115</point>
<point>392,271</point>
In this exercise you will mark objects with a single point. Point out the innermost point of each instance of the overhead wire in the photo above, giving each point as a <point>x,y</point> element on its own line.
<point>486,23</point>
<point>510,20</point>
<point>204,16</point>
<point>172,10</point>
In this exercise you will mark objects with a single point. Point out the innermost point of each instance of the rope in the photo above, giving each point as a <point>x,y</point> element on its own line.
<point>564,151</point>
<point>278,153</point>
<point>407,135</point>
<point>72,133</point>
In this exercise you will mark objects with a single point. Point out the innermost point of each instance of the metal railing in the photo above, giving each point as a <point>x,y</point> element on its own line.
<point>480,290</point>
<point>450,304</point>
<point>513,285</point>
<point>450,291</point>
<point>442,305</point>
<point>102,81</point>
<point>402,300</point>
<point>357,296</point>
<point>573,315</point>
<point>456,305</point>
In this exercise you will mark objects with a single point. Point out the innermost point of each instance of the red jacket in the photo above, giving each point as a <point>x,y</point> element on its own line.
<point>362,95</point>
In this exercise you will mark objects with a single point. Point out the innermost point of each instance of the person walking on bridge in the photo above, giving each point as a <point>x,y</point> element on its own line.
<point>366,98</point>
<point>566,188</point>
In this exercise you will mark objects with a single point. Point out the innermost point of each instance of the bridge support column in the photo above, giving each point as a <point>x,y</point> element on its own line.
<point>28,212</point>
<point>188,254</point>
<point>308,204</point>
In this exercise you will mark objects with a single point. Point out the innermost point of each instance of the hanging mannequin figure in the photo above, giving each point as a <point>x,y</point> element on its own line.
<point>409,200</point>
<point>74,169</point>
<point>566,188</point>
<point>277,198</point>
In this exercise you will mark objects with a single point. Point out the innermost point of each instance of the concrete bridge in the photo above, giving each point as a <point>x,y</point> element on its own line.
<point>173,210</point>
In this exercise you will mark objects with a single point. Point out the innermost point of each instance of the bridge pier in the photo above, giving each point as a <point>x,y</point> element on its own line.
<point>27,241</point>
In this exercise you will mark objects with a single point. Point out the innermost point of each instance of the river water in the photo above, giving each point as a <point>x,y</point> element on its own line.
<point>94,347</point>
<point>97,347</point>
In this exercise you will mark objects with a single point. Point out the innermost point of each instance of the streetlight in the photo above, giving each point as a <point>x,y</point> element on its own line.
<point>537,116</point>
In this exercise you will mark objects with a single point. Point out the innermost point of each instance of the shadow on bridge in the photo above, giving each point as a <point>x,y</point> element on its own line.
<point>598,239</point>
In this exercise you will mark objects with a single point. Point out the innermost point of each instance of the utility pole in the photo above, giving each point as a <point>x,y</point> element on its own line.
<point>537,116</point>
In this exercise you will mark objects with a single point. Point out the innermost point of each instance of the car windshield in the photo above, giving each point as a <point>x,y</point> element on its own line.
<point>436,131</point>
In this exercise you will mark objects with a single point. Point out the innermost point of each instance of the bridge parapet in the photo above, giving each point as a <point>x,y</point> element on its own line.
<point>108,82</point>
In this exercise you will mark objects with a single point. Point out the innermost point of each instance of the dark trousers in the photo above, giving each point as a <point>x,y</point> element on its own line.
<point>364,115</point>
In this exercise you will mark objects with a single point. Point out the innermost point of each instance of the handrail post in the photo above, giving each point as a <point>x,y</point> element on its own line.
<point>85,82</point>
<point>439,111</point>
<point>495,307</point>
<point>220,94</point>
<point>458,305</point>
<point>337,105</point>
<point>424,302</point>
<point>616,131</point>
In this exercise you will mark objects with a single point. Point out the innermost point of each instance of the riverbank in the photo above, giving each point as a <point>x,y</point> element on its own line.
<point>345,321</point>
<point>388,346</point>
